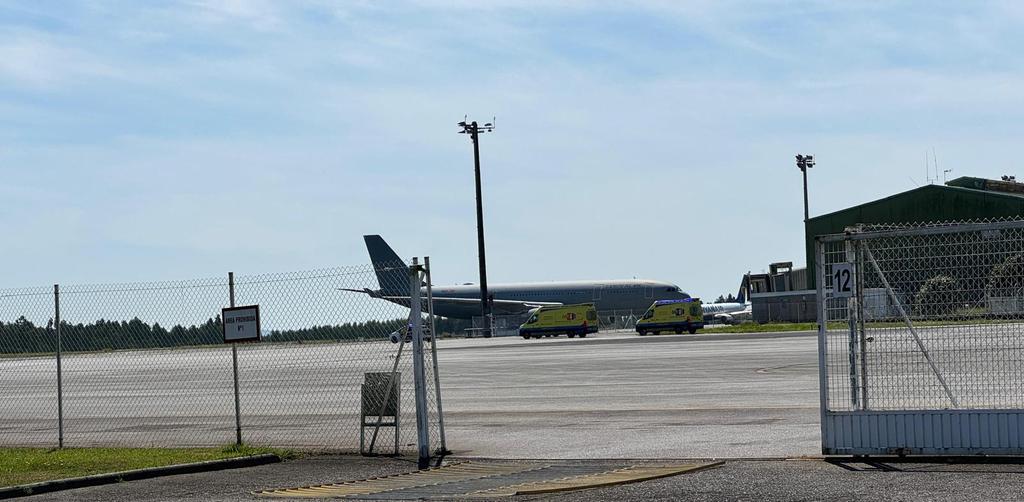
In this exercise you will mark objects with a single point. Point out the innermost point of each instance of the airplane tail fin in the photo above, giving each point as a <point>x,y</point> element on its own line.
<point>392,272</point>
<point>741,297</point>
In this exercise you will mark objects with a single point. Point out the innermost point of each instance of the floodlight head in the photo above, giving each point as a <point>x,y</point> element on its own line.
<point>803,162</point>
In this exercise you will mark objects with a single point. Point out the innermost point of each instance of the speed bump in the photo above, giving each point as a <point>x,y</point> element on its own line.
<point>631,474</point>
<point>451,473</point>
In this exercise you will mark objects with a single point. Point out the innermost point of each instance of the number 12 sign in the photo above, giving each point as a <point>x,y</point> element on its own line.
<point>844,281</point>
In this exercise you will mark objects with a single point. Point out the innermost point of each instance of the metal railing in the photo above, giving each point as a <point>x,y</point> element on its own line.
<point>144,364</point>
<point>935,319</point>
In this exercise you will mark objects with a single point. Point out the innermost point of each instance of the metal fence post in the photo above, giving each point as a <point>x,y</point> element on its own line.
<point>851,321</point>
<point>443,448</point>
<point>234,363</point>
<point>862,335</point>
<point>819,265</point>
<point>60,376</point>
<point>422,427</point>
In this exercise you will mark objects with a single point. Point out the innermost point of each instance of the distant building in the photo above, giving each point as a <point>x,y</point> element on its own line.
<point>961,199</point>
<point>787,294</point>
<point>781,295</point>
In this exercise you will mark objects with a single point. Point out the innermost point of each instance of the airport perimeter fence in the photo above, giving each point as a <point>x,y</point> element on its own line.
<point>923,346</point>
<point>145,364</point>
<point>800,307</point>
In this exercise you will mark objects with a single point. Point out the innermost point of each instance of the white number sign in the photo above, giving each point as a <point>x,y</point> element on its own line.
<point>844,280</point>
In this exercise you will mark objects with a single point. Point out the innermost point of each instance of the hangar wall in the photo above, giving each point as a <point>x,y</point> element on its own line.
<point>964,198</point>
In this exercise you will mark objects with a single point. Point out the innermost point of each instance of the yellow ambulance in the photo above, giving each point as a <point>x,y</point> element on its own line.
<point>572,320</point>
<point>672,315</point>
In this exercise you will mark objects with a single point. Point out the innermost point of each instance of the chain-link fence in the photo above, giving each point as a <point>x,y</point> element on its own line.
<point>785,307</point>
<point>145,364</point>
<point>618,319</point>
<point>935,319</point>
<point>28,384</point>
<point>921,340</point>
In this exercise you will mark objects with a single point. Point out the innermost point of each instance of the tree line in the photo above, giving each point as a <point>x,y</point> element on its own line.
<point>22,336</point>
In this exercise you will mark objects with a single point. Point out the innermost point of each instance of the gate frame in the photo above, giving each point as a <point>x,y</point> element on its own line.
<point>862,432</point>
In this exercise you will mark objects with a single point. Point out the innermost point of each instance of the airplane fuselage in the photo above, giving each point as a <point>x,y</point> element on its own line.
<point>622,295</point>
<point>726,312</point>
<point>464,302</point>
<point>723,308</point>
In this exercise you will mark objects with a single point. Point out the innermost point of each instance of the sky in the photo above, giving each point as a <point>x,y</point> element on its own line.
<point>152,141</point>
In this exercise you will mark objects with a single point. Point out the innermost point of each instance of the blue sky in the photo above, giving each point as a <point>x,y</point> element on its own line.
<point>147,141</point>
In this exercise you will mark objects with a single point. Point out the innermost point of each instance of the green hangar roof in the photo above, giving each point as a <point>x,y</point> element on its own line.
<point>964,198</point>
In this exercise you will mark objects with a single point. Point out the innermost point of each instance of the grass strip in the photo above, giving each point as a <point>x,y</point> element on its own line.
<point>753,327</point>
<point>20,466</point>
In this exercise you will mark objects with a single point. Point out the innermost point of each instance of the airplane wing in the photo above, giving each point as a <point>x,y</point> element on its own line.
<point>499,307</point>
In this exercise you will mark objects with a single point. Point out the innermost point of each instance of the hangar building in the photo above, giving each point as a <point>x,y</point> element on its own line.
<point>964,198</point>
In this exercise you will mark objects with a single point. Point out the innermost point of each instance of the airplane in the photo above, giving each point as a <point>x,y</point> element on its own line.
<point>730,312</point>
<point>463,301</point>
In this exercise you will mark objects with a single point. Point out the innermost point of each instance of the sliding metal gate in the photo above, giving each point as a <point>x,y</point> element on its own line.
<point>921,339</point>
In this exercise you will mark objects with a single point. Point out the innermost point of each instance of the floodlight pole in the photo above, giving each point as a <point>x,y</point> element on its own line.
<point>485,305</point>
<point>806,210</point>
<point>805,162</point>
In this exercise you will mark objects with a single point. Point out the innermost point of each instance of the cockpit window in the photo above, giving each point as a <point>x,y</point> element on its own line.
<point>532,320</point>
<point>649,314</point>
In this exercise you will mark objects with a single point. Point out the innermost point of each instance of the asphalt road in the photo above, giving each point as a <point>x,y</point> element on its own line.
<point>611,396</point>
<point>736,480</point>
<point>629,397</point>
<point>616,396</point>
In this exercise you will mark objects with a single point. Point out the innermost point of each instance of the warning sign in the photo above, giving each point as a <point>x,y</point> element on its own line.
<point>241,324</point>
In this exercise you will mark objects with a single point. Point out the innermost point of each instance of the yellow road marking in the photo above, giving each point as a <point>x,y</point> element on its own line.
<point>633,474</point>
<point>446,474</point>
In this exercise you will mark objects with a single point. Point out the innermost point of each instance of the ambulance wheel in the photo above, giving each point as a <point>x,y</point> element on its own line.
<point>583,335</point>
<point>642,333</point>
<point>692,331</point>
<point>571,335</point>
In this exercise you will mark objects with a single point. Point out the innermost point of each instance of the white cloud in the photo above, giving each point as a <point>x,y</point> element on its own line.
<point>39,61</point>
<point>259,14</point>
<point>340,116</point>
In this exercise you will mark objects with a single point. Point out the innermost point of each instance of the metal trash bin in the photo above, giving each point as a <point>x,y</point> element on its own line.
<point>381,407</point>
